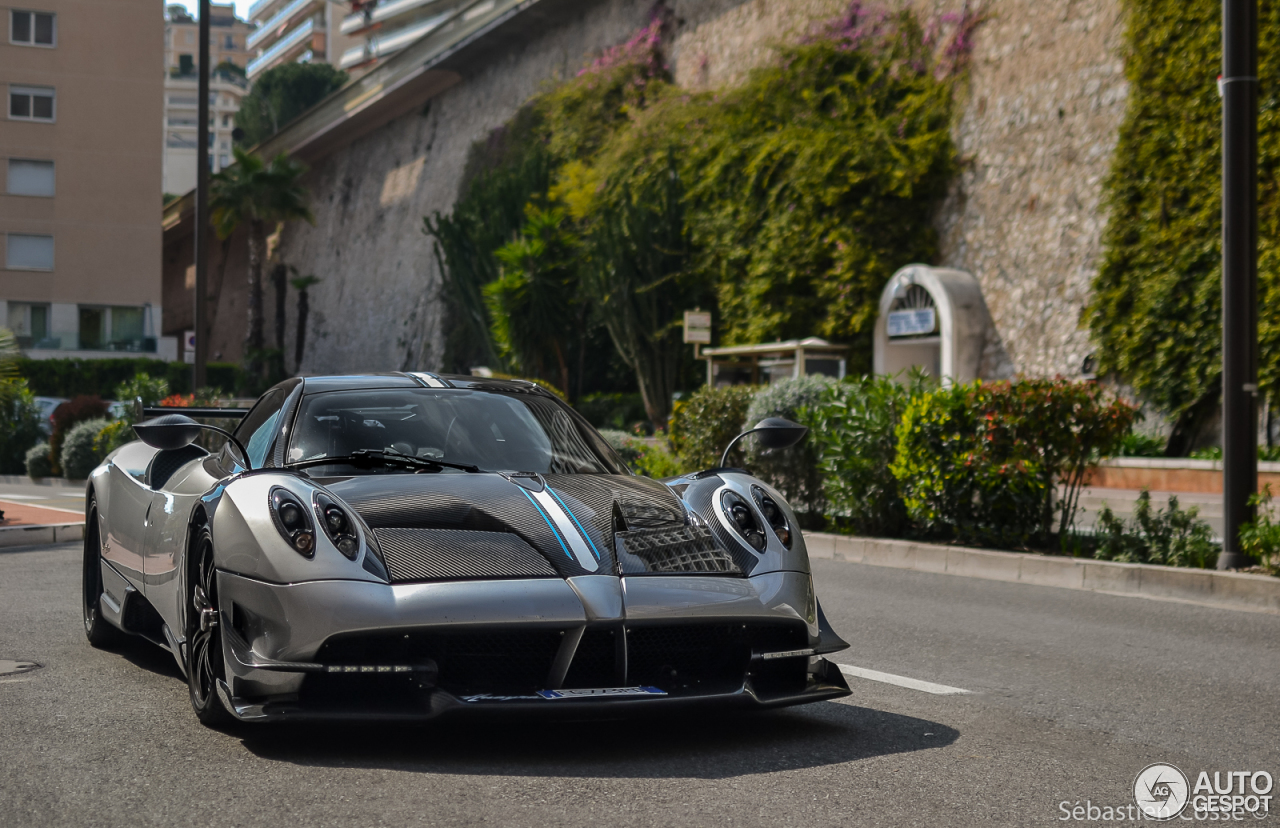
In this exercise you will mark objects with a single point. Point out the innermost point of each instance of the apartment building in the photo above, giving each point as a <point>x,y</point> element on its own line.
<point>181,98</point>
<point>80,163</point>
<point>228,36</point>
<point>301,31</point>
<point>381,28</point>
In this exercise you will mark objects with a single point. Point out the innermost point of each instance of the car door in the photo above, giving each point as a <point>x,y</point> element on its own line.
<point>127,503</point>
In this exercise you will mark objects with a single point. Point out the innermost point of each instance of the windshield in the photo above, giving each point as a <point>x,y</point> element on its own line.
<point>491,430</point>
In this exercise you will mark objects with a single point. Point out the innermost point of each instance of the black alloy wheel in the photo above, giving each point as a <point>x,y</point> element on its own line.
<point>96,628</point>
<point>204,635</point>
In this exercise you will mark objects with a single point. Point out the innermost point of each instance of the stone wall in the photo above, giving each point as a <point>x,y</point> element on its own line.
<point>1036,130</point>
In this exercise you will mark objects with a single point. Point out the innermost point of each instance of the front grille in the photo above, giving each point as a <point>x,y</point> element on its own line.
<point>595,662</point>
<point>506,662</point>
<point>681,549</point>
<point>705,658</point>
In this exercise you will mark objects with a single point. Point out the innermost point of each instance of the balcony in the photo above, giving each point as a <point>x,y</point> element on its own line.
<point>295,39</point>
<point>278,21</point>
<point>386,43</point>
<point>381,13</point>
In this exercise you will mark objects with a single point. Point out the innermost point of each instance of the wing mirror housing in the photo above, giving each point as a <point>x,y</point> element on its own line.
<point>772,433</point>
<point>175,431</point>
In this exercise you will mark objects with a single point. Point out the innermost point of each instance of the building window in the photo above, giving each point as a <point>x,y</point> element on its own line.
<point>28,28</point>
<point>31,103</point>
<point>114,329</point>
<point>190,36</point>
<point>230,42</point>
<point>28,252</point>
<point>30,178</point>
<point>226,120</point>
<point>186,64</point>
<point>30,324</point>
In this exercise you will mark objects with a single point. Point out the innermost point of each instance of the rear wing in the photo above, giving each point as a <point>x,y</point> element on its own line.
<point>141,411</point>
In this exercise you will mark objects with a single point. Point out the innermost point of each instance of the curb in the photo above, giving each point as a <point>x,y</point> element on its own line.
<point>53,482</point>
<point>35,535</point>
<point>1225,590</point>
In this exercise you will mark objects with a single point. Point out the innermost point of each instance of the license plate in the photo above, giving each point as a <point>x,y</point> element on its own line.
<point>602,693</point>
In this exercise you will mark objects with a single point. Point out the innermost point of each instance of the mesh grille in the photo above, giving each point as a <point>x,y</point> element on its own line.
<point>509,662</point>
<point>685,549</point>
<point>595,663</point>
<point>705,658</point>
<point>440,554</point>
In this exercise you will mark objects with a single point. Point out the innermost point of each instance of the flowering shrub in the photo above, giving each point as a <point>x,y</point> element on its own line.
<point>980,462</point>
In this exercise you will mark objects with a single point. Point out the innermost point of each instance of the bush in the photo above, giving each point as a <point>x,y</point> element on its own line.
<point>1260,539</point>
<point>103,377</point>
<point>1134,444</point>
<point>113,436</point>
<point>704,425</point>
<point>981,462</point>
<point>654,461</point>
<point>852,429</point>
<point>19,425</point>
<point>39,466</point>
<point>65,416</point>
<point>616,411</point>
<point>794,471</point>
<point>1172,536</point>
<point>142,386</point>
<point>78,456</point>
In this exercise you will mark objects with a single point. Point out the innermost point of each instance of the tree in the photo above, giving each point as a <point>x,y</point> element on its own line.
<point>535,306</point>
<point>282,94</point>
<point>301,284</point>
<point>259,194</point>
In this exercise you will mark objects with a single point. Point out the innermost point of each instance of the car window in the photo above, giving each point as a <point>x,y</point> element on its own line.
<point>257,429</point>
<point>492,430</point>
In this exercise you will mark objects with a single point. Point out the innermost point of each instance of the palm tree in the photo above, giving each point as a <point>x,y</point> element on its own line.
<point>301,284</point>
<point>259,193</point>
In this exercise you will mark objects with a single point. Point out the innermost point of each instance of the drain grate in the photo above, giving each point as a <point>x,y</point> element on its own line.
<point>9,667</point>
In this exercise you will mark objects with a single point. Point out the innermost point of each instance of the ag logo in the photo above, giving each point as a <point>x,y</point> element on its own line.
<point>1161,791</point>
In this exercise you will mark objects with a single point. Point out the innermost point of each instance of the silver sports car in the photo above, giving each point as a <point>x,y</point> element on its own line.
<point>417,545</point>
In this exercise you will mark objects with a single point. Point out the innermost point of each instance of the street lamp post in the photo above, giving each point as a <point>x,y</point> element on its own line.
<point>1239,86</point>
<point>198,375</point>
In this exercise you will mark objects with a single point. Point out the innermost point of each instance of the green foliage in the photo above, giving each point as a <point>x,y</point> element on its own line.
<point>606,410</point>
<point>980,462</point>
<point>283,93</point>
<point>65,417</point>
<point>853,429</point>
<point>646,458</point>
<point>113,436</point>
<point>141,386</point>
<point>19,425</point>
<point>795,472</point>
<point>703,425</point>
<point>38,463</point>
<point>1260,539</point>
<point>503,175</point>
<point>1172,536</point>
<point>78,456</point>
<point>72,377</point>
<point>9,354</point>
<point>537,316</point>
<point>1156,311</point>
<point>1134,444</point>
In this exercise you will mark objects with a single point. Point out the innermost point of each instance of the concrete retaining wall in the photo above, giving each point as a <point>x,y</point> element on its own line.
<point>1228,590</point>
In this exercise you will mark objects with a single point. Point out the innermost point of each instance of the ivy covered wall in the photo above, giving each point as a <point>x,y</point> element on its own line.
<point>1156,310</point>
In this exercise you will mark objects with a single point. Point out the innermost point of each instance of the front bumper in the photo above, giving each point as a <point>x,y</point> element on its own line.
<point>350,649</point>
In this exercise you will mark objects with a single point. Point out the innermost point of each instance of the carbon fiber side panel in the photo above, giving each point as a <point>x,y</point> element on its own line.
<point>446,554</point>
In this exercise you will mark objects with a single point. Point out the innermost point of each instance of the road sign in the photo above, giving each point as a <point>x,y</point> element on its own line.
<point>697,327</point>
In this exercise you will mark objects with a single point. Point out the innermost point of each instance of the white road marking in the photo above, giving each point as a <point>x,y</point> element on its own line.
<point>71,494</point>
<point>23,497</point>
<point>902,681</point>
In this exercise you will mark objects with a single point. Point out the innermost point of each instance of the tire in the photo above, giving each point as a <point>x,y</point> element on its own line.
<point>204,635</point>
<point>96,628</point>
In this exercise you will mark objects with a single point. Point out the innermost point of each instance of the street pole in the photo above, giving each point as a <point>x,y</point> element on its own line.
<point>198,375</point>
<point>1239,86</point>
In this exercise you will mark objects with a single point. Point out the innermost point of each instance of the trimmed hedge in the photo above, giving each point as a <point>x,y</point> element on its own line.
<point>101,377</point>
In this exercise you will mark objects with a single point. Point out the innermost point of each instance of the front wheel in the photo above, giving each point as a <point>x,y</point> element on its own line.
<point>204,635</point>
<point>96,628</point>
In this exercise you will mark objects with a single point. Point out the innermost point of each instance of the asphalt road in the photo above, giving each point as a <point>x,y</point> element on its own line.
<point>1072,694</point>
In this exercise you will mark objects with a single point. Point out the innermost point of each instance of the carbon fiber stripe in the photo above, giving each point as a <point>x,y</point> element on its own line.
<point>446,554</point>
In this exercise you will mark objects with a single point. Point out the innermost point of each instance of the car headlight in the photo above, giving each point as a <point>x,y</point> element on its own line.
<point>291,519</point>
<point>338,525</point>
<point>743,518</point>
<point>773,514</point>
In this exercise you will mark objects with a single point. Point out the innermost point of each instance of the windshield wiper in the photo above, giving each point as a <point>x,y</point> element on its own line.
<point>393,458</point>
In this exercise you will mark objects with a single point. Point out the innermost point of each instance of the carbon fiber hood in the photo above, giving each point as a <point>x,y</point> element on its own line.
<point>437,526</point>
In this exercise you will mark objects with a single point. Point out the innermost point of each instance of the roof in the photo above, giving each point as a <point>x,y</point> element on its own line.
<point>787,346</point>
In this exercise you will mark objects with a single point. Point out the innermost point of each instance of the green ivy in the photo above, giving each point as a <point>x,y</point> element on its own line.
<point>1156,311</point>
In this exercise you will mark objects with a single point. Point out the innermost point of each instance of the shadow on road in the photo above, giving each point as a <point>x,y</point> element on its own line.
<point>706,747</point>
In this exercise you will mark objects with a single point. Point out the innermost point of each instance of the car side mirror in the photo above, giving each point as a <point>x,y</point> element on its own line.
<point>773,433</point>
<point>174,431</point>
